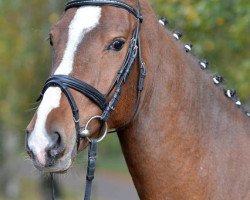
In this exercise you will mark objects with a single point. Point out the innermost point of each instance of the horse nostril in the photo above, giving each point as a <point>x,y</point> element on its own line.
<point>28,150</point>
<point>56,147</point>
<point>55,138</point>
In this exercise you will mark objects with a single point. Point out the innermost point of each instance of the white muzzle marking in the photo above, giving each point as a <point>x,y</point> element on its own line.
<point>85,20</point>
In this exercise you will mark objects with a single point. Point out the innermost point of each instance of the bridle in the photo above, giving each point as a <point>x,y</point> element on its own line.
<point>65,82</point>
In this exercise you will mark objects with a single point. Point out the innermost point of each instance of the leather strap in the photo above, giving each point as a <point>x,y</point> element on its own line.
<point>91,168</point>
<point>53,82</point>
<point>52,186</point>
<point>122,75</point>
<point>80,86</point>
<point>115,3</point>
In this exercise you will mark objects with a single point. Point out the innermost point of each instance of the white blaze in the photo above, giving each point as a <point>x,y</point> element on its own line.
<point>85,19</point>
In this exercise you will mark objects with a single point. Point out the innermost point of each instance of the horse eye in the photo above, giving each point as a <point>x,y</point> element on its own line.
<point>117,45</point>
<point>50,40</point>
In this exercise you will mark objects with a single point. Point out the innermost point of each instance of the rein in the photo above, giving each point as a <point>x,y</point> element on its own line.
<point>65,82</point>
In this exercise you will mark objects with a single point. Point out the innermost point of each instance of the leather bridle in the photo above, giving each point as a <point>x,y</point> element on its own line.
<point>65,82</point>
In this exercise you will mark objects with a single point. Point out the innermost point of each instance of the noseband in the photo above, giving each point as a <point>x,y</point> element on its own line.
<point>65,82</point>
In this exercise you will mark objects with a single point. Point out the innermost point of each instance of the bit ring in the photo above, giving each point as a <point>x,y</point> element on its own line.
<point>86,132</point>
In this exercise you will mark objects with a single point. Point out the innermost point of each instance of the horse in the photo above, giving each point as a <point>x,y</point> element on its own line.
<point>187,138</point>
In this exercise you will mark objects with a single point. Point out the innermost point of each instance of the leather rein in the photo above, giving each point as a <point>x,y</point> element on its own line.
<point>65,82</point>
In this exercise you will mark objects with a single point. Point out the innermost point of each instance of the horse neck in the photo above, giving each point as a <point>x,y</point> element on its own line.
<point>183,120</point>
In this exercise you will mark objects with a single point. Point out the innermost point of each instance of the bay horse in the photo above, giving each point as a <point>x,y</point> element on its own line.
<point>185,139</point>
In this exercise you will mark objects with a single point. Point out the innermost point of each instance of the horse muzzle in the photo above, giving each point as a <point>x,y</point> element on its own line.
<point>48,153</point>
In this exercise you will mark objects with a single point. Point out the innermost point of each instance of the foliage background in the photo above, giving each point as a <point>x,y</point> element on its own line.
<point>219,31</point>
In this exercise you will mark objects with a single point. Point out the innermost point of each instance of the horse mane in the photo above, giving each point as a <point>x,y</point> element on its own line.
<point>218,80</point>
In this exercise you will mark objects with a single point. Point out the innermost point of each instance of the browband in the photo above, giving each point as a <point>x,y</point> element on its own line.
<point>115,3</point>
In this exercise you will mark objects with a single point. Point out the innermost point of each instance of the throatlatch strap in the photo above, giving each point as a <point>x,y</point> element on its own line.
<point>91,168</point>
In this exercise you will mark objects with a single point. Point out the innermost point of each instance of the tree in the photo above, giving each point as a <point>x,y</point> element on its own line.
<point>219,31</point>
<point>24,64</point>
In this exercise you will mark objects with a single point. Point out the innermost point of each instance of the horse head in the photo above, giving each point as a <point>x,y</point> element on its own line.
<point>91,44</point>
